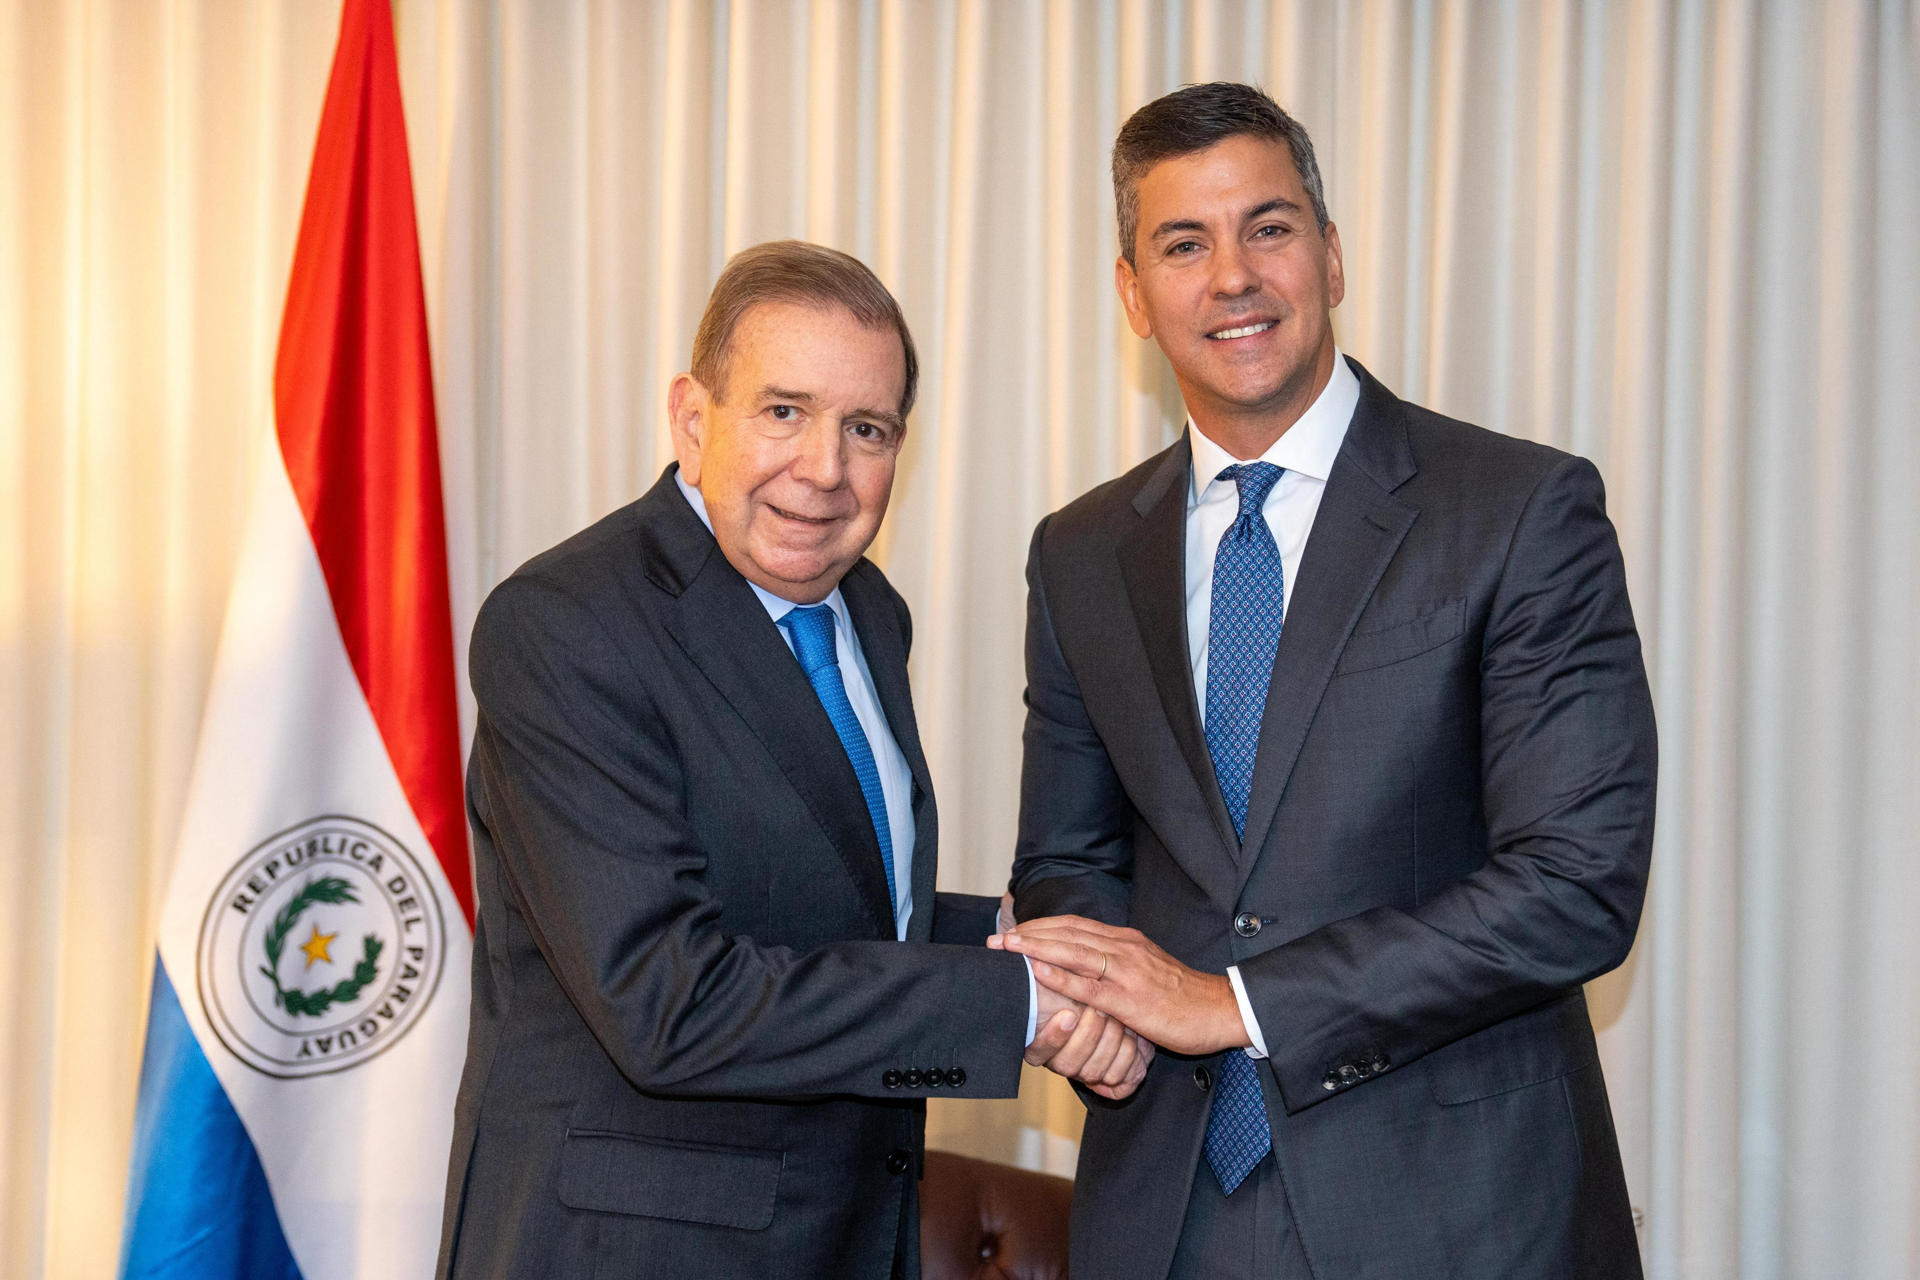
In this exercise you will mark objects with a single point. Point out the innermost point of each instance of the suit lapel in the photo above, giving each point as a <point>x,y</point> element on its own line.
<point>1357,530</point>
<point>1153,565</point>
<point>885,647</point>
<point>724,630</point>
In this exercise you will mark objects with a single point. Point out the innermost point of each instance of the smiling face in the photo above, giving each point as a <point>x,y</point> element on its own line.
<point>795,455</point>
<point>1236,283</point>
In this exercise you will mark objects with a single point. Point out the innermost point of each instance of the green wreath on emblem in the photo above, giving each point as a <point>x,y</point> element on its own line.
<point>327,889</point>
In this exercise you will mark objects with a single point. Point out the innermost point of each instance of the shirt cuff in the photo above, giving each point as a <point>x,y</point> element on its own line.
<point>1258,1049</point>
<point>1033,1004</point>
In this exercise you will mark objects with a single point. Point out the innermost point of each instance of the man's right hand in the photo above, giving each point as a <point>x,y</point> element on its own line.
<point>1088,1046</point>
<point>1127,975</point>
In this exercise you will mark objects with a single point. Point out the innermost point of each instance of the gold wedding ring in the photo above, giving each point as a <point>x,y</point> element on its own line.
<point>1103,967</point>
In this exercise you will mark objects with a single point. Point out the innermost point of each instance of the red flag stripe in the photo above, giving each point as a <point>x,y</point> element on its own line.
<point>353,395</point>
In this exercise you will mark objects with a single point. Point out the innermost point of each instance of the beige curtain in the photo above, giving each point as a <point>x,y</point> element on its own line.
<point>1678,237</point>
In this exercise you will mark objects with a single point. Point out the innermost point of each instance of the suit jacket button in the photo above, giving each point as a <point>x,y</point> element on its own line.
<point>897,1161</point>
<point>956,1076</point>
<point>1202,1078</point>
<point>1380,1062</point>
<point>936,1078</point>
<point>914,1078</point>
<point>890,1080</point>
<point>1348,1073</point>
<point>1330,1081</point>
<point>1246,924</point>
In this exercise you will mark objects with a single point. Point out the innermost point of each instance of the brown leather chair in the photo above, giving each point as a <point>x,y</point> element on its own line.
<point>985,1221</point>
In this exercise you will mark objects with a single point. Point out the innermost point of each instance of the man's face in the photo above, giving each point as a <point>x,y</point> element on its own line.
<point>795,455</point>
<point>1234,280</point>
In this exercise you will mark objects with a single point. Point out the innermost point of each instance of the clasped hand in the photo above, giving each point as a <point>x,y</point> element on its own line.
<point>1123,975</point>
<point>1082,1044</point>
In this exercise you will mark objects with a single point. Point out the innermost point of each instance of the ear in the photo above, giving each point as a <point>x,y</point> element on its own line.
<point>688,411</point>
<point>1127,284</point>
<point>1336,274</point>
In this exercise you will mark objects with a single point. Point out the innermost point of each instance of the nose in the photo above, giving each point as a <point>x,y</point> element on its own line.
<point>1233,273</point>
<point>818,458</point>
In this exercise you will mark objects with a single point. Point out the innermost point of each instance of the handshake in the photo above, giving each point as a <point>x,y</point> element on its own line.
<point>1109,997</point>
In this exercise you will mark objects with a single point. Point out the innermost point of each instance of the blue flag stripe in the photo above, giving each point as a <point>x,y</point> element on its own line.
<point>198,1204</point>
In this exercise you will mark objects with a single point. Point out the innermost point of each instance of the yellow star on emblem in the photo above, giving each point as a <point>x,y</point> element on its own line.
<point>316,946</point>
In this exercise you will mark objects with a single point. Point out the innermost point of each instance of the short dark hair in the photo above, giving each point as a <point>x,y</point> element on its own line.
<point>1192,119</point>
<point>797,272</point>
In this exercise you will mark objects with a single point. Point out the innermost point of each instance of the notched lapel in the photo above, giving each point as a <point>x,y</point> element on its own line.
<point>1356,532</point>
<point>721,625</point>
<point>1153,565</point>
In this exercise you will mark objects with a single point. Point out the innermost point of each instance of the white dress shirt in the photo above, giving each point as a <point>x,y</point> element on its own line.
<point>1304,452</point>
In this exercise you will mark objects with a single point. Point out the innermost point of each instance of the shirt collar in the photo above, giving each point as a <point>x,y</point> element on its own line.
<point>1309,446</point>
<point>776,607</point>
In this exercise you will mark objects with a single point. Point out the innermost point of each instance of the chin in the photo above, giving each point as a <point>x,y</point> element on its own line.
<point>800,572</point>
<point>1269,391</point>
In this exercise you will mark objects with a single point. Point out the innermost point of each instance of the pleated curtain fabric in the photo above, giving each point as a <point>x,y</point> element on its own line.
<point>1679,238</point>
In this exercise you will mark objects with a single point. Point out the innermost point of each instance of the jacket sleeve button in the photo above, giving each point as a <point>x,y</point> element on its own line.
<point>1330,1081</point>
<point>936,1078</point>
<point>914,1078</point>
<point>890,1080</point>
<point>956,1076</point>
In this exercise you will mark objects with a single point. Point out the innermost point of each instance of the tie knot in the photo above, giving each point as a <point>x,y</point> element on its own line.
<point>1255,481</point>
<point>811,627</point>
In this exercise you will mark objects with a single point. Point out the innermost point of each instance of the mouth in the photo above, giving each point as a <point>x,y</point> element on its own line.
<point>1242,331</point>
<point>799,518</point>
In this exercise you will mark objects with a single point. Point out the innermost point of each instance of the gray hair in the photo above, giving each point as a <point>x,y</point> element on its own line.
<point>797,272</point>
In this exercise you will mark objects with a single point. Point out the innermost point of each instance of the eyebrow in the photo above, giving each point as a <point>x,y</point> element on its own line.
<point>1174,226</point>
<point>1279,204</point>
<point>889,416</point>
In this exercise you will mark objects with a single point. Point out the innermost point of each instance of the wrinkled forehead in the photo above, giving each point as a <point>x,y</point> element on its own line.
<point>824,353</point>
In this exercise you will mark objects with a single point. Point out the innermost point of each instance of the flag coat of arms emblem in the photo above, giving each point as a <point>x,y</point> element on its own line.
<point>309,1008</point>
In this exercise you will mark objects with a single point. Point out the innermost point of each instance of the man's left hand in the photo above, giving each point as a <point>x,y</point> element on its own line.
<point>1125,975</point>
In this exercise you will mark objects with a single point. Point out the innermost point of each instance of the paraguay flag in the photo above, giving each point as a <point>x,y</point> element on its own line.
<point>310,997</point>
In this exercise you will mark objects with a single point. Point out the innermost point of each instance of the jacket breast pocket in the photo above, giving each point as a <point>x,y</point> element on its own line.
<point>1398,641</point>
<point>1544,1043</point>
<point>656,1178</point>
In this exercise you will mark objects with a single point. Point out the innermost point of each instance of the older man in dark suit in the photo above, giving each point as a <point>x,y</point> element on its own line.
<point>713,983</point>
<point>1340,768</point>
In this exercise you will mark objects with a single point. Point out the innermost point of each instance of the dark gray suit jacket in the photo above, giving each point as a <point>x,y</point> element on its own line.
<point>697,1049</point>
<point>1448,834</point>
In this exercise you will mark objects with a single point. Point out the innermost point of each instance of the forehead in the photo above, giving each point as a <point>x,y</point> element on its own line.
<point>1225,179</point>
<point>824,351</point>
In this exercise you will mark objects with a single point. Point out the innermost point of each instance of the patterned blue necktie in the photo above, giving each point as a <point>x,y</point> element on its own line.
<point>1243,631</point>
<point>813,643</point>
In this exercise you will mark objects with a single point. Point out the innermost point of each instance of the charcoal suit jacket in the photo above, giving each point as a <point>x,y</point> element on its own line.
<point>1448,833</point>
<point>697,1048</point>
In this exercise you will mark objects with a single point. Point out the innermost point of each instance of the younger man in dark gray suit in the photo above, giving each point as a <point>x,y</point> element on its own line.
<point>713,982</point>
<point>1340,758</point>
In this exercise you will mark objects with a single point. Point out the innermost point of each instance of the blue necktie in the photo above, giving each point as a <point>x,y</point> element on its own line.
<point>813,643</point>
<point>1243,631</point>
